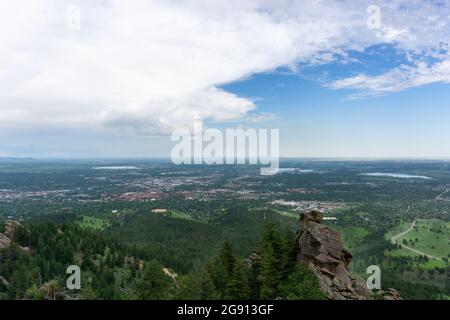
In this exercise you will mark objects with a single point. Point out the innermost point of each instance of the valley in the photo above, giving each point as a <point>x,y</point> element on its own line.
<point>182,215</point>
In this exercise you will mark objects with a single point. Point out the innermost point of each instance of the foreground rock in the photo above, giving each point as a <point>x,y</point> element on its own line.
<point>321,249</point>
<point>10,228</point>
<point>4,241</point>
<point>8,233</point>
<point>389,294</point>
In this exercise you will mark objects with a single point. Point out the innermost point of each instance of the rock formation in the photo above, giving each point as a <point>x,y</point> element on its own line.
<point>10,227</point>
<point>8,233</point>
<point>389,294</point>
<point>4,241</point>
<point>321,249</point>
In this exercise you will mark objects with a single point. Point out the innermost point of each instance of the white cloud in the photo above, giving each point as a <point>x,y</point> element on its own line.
<point>398,79</point>
<point>261,117</point>
<point>155,65</point>
<point>165,114</point>
<point>421,30</point>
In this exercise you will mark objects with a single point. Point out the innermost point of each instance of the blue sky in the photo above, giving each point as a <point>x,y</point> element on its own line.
<point>114,79</point>
<point>320,122</point>
<point>317,121</point>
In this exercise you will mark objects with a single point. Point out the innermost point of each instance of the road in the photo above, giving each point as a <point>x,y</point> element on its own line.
<point>439,197</point>
<point>401,234</point>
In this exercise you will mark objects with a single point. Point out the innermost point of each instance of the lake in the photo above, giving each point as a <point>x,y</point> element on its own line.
<point>395,175</point>
<point>116,168</point>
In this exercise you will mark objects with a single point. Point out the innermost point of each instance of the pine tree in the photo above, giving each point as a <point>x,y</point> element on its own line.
<point>269,275</point>
<point>302,284</point>
<point>226,257</point>
<point>196,286</point>
<point>153,284</point>
<point>290,249</point>
<point>271,267</point>
<point>238,285</point>
<point>221,270</point>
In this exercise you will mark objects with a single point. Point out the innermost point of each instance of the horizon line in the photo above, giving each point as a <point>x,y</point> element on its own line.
<point>329,158</point>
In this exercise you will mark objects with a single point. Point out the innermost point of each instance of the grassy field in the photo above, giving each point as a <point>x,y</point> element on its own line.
<point>287,213</point>
<point>93,223</point>
<point>351,236</point>
<point>402,226</point>
<point>180,215</point>
<point>430,236</point>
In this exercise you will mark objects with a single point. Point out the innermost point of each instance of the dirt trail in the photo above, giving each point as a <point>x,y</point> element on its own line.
<point>401,234</point>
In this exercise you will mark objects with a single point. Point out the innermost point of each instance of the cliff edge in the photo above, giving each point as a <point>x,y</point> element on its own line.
<point>321,249</point>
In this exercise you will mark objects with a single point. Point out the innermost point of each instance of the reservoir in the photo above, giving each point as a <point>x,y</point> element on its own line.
<point>395,175</point>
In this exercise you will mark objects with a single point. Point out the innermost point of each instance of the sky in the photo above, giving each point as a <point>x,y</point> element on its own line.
<point>366,79</point>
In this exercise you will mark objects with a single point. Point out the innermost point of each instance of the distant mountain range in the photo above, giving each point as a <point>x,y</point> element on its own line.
<point>15,159</point>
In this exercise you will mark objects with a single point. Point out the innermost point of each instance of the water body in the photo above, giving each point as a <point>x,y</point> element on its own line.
<point>395,175</point>
<point>281,170</point>
<point>116,168</point>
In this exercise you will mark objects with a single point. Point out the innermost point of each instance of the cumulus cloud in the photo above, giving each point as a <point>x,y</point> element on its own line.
<point>398,79</point>
<point>421,31</point>
<point>156,65</point>
<point>166,114</point>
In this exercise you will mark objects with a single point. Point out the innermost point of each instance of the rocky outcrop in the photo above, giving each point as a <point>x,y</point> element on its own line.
<point>389,294</point>
<point>10,228</point>
<point>251,259</point>
<point>8,233</point>
<point>321,249</point>
<point>4,282</point>
<point>4,241</point>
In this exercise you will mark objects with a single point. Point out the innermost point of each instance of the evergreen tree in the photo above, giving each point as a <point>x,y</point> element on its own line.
<point>269,275</point>
<point>221,270</point>
<point>238,286</point>
<point>271,265</point>
<point>196,286</point>
<point>226,258</point>
<point>153,284</point>
<point>290,250</point>
<point>302,284</point>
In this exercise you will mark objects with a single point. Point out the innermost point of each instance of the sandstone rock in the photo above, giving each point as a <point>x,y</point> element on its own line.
<point>322,250</point>
<point>8,234</point>
<point>390,294</point>
<point>251,259</point>
<point>4,282</point>
<point>10,227</point>
<point>4,241</point>
<point>170,273</point>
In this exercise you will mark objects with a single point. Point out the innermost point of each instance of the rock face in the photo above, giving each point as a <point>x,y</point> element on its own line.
<point>10,227</point>
<point>321,249</point>
<point>390,294</point>
<point>4,241</point>
<point>8,233</point>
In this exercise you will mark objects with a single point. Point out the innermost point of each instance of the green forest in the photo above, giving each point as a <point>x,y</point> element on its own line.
<point>34,267</point>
